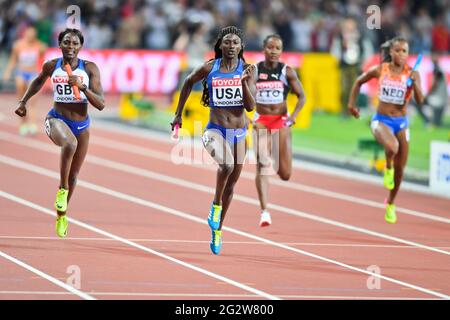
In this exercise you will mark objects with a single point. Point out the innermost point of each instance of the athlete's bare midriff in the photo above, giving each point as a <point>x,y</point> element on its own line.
<point>272,109</point>
<point>72,111</point>
<point>232,118</point>
<point>391,110</point>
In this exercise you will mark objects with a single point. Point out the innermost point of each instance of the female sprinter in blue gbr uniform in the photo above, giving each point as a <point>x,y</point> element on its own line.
<point>272,121</point>
<point>67,123</point>
<point>390,123</point>
<point>229,86</point>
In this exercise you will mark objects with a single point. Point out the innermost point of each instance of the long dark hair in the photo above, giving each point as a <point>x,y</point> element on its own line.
<point>387,46</point>
<point>218,55</point>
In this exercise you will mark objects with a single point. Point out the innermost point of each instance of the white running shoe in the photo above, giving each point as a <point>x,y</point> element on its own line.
<point>265,219</point>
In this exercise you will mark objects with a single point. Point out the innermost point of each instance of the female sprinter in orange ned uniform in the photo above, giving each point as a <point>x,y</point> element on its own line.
<point>272,123</point>
<point>67,123</point>
<point>228,88</point>
<point>25,57</point>
<point>390,123</point>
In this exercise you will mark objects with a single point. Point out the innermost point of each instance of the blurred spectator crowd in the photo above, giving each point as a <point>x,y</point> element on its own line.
<point>304,25</point>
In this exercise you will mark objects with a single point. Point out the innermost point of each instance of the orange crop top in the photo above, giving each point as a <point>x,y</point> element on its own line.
<point>392,88</point>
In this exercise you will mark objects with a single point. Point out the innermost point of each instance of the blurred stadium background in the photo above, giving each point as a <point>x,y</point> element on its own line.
<point>146,47</point>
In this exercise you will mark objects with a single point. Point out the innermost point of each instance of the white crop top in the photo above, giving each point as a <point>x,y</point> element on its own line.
<point>62,91</point>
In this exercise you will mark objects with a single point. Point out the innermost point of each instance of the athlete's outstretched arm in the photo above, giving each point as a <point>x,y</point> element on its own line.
<point>297,89</point>
<point>35,86</point>
<point>249,87</point>
<point>373,72</point>
<point>196,75</point>
<point>94,93</point>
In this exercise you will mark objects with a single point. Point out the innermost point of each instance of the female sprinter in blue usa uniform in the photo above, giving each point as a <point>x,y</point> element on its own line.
<point>67,123</point>
<point>390,123</point>
<point>229,87</point>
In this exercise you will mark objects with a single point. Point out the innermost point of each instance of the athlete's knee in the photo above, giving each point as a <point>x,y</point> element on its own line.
<point>226,168</point>
<point>263,165</point>
<point>70,146</point>
<point>392,148</point>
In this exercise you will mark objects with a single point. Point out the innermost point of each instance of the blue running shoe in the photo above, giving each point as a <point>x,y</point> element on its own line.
<point>214,216</point>
<point>216,241</point>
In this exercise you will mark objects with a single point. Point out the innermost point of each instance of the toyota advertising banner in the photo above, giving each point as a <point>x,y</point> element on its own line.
<point>158,72</point>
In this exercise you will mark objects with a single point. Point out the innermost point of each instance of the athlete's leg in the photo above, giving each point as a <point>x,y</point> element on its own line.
<point>239,152</point>
<point>262,147</point>
<point>386,138</point>
<point>78,159</point>
<point>284,156</point>
<point>62,136</point>
<point>221,152</point>
<point>399,163</point>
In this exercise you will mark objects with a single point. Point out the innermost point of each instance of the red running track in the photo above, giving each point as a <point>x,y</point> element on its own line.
<point>138,230</point>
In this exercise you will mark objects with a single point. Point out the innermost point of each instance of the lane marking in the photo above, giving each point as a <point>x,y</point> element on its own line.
<point>153,135</point>
<point>53,280</point>
<point>186,241</point>
<point>204,295</point>
<point>138,246</point>
<point>202,221</point>
<point>111,144</point>
<point>123,147</point>
<point>199,187</point>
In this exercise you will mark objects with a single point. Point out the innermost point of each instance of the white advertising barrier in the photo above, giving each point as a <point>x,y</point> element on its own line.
<point>146,71</point>
<point>440,167</point>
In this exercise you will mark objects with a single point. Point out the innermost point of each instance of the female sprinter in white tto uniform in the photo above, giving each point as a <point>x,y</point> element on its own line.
<point>272,122</point>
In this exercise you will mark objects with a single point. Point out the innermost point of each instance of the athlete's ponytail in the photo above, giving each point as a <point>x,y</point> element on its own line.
<point>385,48</point>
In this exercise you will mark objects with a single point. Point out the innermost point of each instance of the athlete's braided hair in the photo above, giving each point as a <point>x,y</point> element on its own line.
<point>218,54</point>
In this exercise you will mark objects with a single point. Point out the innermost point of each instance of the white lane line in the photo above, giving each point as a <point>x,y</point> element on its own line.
<point>177,241</point>
<point>153,135</point>
<point>123,147</point>
<point>119,146</point>
<point>47,277</point>
<point>349,198</point>
<point>138,246</point>
<point>187,216</point>
<point>203,295</point>
<point>199,187</point>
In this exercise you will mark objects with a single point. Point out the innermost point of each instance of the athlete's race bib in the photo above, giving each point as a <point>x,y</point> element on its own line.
<point>63,92</point>
<point>269,92</point>
<point>393,91</point>
<point>227,92</point>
